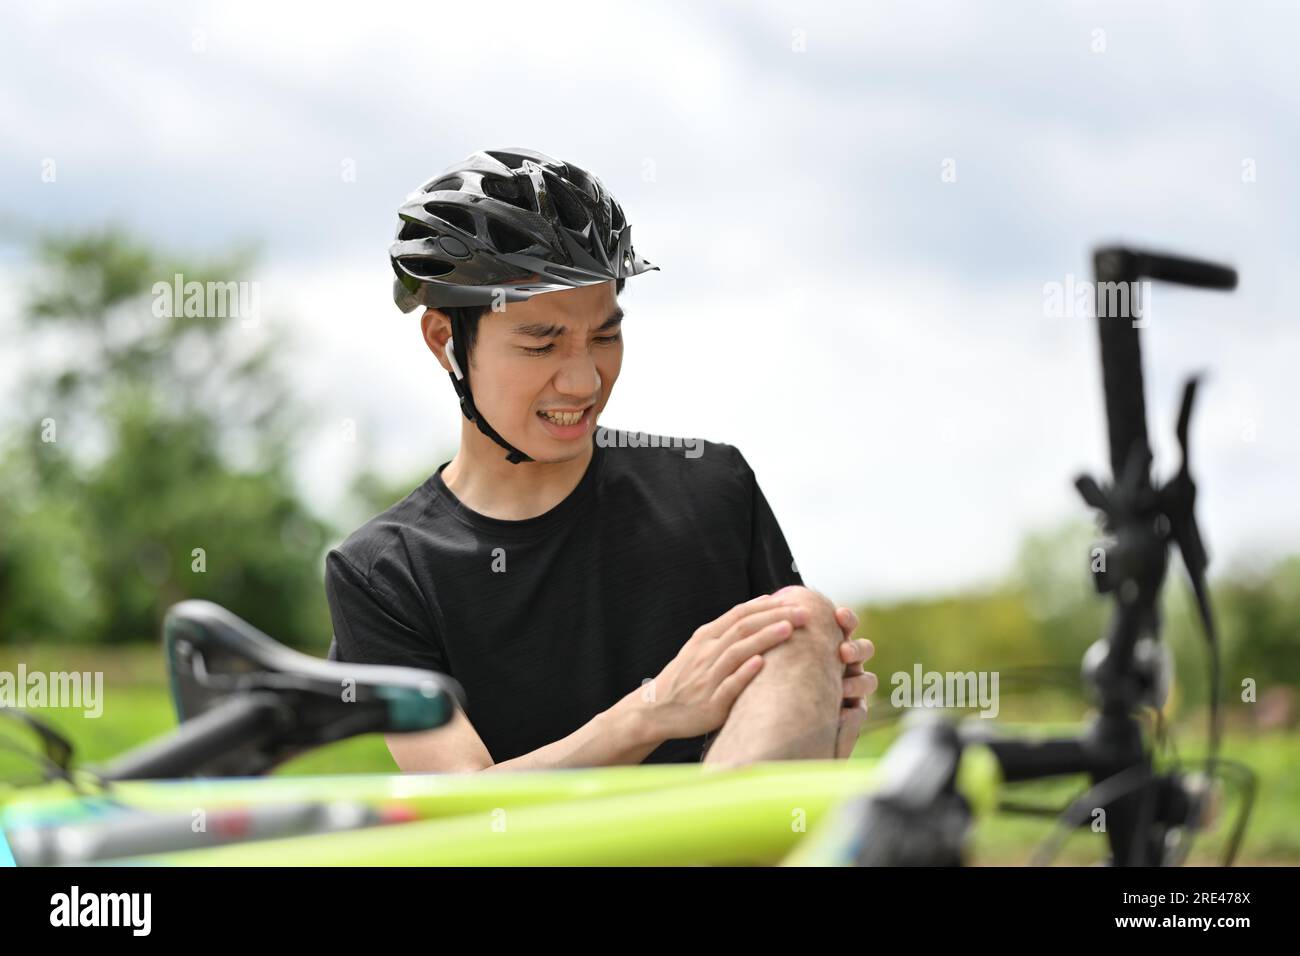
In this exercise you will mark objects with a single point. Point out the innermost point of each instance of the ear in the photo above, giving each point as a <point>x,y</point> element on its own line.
<point>437,333</point>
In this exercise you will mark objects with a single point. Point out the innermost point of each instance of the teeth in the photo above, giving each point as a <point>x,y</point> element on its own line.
<point>564,418</point>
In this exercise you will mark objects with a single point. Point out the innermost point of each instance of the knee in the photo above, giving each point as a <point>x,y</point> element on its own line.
<point>821,627</point>
<point>816,602</point>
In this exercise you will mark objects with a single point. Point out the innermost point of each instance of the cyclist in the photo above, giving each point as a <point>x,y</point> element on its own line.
<point>603,597</point>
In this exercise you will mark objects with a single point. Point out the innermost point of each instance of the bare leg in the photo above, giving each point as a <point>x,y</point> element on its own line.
<point>791,709</point>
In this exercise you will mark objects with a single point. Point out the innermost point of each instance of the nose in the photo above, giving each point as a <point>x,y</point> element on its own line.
<point>579,377</point>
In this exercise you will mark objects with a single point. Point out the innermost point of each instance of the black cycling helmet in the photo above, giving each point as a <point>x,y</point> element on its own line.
<point>504,225</point>
<point>500,216</point>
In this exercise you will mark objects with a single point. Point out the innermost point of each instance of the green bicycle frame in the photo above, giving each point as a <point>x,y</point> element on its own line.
<point>665,815</point>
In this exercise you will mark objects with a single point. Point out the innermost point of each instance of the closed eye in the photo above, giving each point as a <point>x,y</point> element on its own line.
<point>544,349</point>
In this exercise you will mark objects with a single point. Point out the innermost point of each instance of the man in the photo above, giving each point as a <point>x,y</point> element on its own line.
<point>602,598</point>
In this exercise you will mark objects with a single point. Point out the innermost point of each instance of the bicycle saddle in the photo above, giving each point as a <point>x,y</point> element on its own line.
<point>247,702</point>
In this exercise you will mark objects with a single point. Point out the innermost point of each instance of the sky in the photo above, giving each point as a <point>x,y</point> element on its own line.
<point>856,213</point>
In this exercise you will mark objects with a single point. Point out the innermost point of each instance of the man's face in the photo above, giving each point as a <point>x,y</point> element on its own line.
<point>542,370</point>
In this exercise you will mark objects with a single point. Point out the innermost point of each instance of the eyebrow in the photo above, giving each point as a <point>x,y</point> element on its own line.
<point>536,331</point>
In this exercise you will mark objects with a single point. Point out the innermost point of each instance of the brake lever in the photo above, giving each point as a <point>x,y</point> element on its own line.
<point>1178,502</point>
<point>57,748</point>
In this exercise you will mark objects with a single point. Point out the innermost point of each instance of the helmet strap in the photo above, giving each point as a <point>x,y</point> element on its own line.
<point>460,380</point>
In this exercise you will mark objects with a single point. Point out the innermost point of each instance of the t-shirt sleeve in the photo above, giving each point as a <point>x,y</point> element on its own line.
<point>771,565</point>
<point>371,626</point>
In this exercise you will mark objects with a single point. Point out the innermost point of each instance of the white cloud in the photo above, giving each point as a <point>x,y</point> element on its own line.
<point>870,337</point>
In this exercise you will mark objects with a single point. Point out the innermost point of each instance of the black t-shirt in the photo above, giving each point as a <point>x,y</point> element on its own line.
<point>548,621</point>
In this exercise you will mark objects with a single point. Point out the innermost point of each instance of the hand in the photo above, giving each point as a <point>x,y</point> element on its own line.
<point>694,693</point>
<point>859,684</point>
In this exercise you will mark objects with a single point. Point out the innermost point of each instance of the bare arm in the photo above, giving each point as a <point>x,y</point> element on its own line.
<point>620,735</point>
<point>690,697</point>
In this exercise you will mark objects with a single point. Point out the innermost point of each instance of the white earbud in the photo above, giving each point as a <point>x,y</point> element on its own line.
<point>451,357</point>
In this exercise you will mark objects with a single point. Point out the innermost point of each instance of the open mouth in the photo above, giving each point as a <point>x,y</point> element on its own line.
<point>567,423</point>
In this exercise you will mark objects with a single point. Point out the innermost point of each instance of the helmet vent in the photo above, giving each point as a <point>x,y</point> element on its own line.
<point>426,267</point>
<point>452,215</point>
<point>513,160</point>
<point>510,191</point>
<point>416,230</point>
<point>506,239</point>
<point>573,213</point>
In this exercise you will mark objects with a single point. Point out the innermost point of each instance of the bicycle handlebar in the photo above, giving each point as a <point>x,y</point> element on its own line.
<point>1141,804</point>
<point>1121,354</point>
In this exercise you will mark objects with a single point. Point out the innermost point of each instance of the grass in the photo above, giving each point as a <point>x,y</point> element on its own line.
<point>137,707</point>
<point>1273,831</point>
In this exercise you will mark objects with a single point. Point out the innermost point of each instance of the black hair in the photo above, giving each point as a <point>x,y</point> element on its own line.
<point>468,316</point>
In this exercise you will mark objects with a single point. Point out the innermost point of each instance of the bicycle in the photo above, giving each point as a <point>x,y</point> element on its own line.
<point>246,704</point>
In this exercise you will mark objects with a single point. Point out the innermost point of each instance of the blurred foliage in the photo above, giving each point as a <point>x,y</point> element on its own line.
<point>173,434</point>
<point>371,492</point>
<point>1035,627</point>
<point>140,438</point>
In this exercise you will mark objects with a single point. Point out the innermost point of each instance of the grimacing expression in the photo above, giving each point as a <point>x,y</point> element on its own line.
<point>542,370</point>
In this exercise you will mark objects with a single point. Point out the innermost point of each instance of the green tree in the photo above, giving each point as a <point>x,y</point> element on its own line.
<point>148,457</point>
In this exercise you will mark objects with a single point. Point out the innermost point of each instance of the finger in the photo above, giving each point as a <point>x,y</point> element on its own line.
<point>730,688</point>
<point>845,623</point>
<point>757,620</point>
<point>715,628</point>
<point>764,640</point>
<point>857,651</point>
<point>851,721</point>
<point>847,620</point>
<point>858,687</point>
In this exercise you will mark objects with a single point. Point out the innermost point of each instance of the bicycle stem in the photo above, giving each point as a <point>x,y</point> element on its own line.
<point>1124,673</point>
